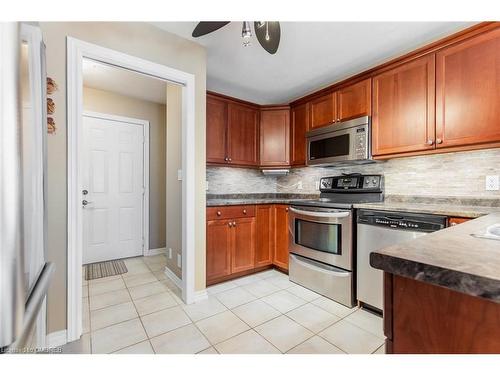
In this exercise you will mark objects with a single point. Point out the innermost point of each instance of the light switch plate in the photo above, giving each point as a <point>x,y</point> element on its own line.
<point>179,261</point>
<point>169,253</point>
<point>179,175</point>
<point>492,183</point>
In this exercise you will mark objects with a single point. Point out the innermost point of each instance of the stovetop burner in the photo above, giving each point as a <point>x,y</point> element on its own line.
<point>343,191</point>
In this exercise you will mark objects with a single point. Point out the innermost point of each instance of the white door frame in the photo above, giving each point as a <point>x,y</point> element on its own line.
<point>145,181</point>
<point>76,51</point>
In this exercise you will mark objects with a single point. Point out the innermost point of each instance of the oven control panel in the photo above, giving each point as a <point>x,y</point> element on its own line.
<point>351,183</point>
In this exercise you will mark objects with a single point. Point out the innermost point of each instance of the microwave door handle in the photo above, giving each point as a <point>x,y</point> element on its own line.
<point>320,214</point>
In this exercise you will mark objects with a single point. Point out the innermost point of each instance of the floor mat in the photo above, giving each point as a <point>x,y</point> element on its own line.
<point>105,269</point>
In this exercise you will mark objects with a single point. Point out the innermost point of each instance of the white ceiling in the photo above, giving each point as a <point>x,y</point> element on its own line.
<point>311,54</point>
<point>124,82</point>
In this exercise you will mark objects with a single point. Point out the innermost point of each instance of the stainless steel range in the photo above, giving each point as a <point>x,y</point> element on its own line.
<point>321,235</point>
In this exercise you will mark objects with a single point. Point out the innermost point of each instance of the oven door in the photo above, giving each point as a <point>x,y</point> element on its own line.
<point>322,234</point>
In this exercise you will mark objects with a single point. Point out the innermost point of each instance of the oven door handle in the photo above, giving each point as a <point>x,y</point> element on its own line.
<point>321,214</point>
<point>318,267</point>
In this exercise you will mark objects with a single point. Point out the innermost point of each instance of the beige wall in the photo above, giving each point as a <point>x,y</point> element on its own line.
<point>137,39</point>
<point>112,103</point>
<point>174,186</point>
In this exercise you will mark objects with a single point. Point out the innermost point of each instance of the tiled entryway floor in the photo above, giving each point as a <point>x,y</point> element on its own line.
<point>141,312</point>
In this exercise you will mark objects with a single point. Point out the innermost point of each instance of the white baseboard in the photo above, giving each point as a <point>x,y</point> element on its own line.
<point>151,252</point>
<point>56,339</point>
<point>200,295</point>
<point>173,277</point>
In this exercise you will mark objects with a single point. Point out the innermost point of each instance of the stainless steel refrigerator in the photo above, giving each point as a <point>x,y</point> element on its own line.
<point>24,272</point>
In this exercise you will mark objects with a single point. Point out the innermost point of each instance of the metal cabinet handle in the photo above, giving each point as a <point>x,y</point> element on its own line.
<point>219,213</point>
<point>430,142</point>
<point>453,224</point>
<point>286,209</point>
<point>226,159</point>
<point>230,224</point>
<point>338,120</point>
<point>230,159</point>
<point>244,212</point>
<point>439,141</point>
<point>234,223</point>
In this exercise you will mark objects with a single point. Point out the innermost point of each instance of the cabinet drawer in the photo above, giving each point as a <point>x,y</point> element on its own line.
<point>230,212</point>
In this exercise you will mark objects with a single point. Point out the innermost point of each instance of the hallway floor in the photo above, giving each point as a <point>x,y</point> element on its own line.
<point>141,312</point>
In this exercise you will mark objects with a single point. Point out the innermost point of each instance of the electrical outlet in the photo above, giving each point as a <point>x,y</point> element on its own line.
<point>179,261</point>
<point>492,183</point>
<point>299,185</point>
<point>317,185</point>
<point>169,253</point>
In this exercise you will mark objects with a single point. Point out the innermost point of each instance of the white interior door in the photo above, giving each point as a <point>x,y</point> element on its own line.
<point>113,176</point>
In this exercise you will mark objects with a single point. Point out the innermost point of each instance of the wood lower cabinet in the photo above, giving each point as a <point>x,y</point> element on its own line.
<point>468,92</point>
<point>242,133</point>
<point>403,108</point>
<point>323,111</point>
<point>250,241</point>
<point>219,244</point>
<point>265,222</point>
<point>243,247</point>
<point>354,100</point>
<point>298,128</point>
<point>275,137</point>
<point>421,318</point>
<point>281,237</point>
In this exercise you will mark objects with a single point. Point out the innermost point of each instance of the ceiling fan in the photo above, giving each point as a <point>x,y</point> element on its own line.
<point>268,33</point>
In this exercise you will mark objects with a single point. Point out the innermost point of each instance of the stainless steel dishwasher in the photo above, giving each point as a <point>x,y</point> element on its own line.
<point>379,229</point>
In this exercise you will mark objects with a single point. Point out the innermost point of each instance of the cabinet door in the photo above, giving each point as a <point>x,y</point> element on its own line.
<point>299,127</point>
<point>243,247</point>
<point>403,108</point>
<point>219,242</point>
<point>264,235</point>
<point>323,110</point>
<point>281,236</point>
<point>216,130</point>
<point>243,135</point>
<point>275,138</point>
<point>355,100</point>
<point>468,92</point>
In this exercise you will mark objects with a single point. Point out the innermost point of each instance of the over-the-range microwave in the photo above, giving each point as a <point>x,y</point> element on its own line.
<point>347,142</point>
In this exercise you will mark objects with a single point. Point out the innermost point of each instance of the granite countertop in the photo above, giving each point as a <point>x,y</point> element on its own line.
<point>258,198</point>
<point>451,258</point>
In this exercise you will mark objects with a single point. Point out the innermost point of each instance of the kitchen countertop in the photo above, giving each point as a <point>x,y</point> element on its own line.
<point>451,258</point>
<point>448,206</point>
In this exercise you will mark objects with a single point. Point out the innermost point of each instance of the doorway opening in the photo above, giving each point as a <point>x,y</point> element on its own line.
<point>106,157</point>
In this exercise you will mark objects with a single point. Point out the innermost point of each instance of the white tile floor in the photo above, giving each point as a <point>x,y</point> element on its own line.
<point>141,312</point>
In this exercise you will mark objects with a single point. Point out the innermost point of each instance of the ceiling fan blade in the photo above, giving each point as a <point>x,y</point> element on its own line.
<point>272,43</point>
<point>204,28</point>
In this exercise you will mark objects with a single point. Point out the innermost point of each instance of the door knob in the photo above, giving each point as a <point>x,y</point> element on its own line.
<point>430,142</point>
<point>85,202</point>
<point>230,224</point>
<point>244,212</point>
<point>226,159</point>
<point>219,213</point>
<point>229,159</point>
<point>439,141</point>
<point>85,191</point>
<point>234,223</point>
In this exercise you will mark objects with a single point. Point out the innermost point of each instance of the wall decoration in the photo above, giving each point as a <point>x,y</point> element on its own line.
<point>51,125</point>
<point>51,106</point>
<point>51,86</point>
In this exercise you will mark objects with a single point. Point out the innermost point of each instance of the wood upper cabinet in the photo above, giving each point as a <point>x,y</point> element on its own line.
<point>281,236</point>
<point>354,100</point>
<point>275,137</point>
<point>468,91</point>
<point>403,108</point>
<point>265,240</point>
<point>243,248</point>
<point>242,134</point>
<point>219,245</point>
<point>323,111</point>
<point>216,130</point>
<point>298,129</point>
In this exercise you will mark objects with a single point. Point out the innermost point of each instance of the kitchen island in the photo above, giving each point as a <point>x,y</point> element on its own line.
<point>442,291</point>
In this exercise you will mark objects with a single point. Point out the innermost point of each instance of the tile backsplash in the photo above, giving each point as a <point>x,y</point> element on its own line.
<point>456,174</point>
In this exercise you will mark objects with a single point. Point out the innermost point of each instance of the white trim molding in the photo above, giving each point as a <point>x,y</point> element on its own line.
<point>173,277</point>
<point>200,295</point>
<point>77,50</point>
<point>56,339</point>
<point>151,252</point>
